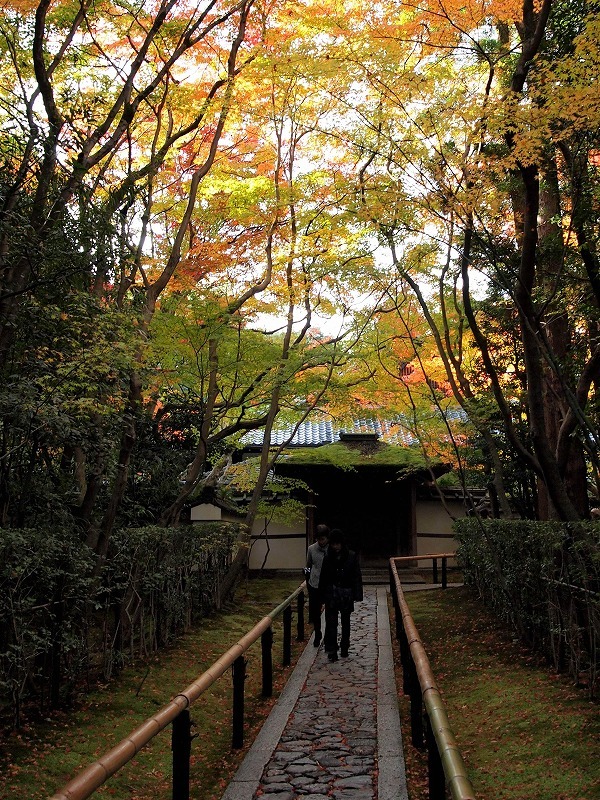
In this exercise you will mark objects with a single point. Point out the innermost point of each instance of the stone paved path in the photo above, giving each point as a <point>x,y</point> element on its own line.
<point>335,731</point>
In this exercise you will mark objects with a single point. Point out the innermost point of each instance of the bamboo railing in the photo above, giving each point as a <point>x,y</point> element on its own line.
<point>176,711</point>
<point>445,763</point>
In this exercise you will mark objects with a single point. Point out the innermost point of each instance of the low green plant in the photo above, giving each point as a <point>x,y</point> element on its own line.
<point>63,621</point>
<point>544,579</point>
<point>45,583</point>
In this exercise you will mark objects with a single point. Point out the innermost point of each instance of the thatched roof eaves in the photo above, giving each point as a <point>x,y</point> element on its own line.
<point>350,455</point>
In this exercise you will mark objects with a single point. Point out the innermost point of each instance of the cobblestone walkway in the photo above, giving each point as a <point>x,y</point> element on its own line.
<point>337,731</point>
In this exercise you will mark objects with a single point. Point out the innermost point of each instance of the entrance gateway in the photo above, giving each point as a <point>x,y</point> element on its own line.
<point>365,487</point>
<point>381,495</point>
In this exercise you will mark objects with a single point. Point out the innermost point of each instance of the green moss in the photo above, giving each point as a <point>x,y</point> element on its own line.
<point>348,456</point>
<point>524,732</point>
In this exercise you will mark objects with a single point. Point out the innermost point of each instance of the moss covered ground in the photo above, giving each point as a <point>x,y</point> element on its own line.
<point>525,732</point>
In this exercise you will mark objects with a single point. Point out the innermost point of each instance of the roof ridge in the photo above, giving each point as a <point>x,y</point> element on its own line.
<point>315,433</point>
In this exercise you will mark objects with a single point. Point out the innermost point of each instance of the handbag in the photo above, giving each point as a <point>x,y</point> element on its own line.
<point>341,598</point>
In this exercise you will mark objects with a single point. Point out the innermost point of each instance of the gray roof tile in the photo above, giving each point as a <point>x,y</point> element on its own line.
<point>325,432</point>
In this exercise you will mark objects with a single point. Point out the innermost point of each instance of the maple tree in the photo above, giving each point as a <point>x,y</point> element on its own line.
<point>113,128</point>
<point>154,157</point>
<point>216,216</point>
<point>294,248</point>
<point>467,169</point>
<point>229,164</point>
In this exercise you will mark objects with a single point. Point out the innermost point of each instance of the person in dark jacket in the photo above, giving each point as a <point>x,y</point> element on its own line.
<point>340,585</point>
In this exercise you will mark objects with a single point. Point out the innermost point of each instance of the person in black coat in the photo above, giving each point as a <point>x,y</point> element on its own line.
<point>340,586</point>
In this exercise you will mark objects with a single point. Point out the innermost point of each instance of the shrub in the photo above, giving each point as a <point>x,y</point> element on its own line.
<point>64,617</point>
<point>45,582</point>
<point>544,578</point>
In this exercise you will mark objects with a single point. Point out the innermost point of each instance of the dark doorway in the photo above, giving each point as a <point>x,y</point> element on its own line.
<point>373,511</point>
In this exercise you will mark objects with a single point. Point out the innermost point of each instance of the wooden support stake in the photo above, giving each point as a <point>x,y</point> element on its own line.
<point>287,636</point>
<point>181,745</point>
<point>266,645</point>
<point>405,659</point>
<point>416,706</point>
<point>300,625</point>
<point>239,678</point>
<point>435,769</point>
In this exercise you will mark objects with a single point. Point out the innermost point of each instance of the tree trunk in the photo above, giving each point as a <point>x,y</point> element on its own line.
<point>98,539</point>
<point>534,361</point>
<point>558,339</point>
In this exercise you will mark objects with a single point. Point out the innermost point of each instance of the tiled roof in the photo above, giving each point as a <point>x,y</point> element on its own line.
<point>326,432</point>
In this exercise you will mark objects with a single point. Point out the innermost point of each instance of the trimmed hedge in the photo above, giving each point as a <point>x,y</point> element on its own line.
<point>65,619</point>
<point>45,583</point>
<point>544,579</point>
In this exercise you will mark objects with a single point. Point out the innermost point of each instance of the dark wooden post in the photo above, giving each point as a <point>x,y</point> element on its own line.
<point>300,625</point>
<point>444,573</point>
<point>181,745</point>
<point>239,677</point>
<point>435,769</point>
<point>397,614</point>
<point>287,636</point>
<point>400,634</point>
<point>401,637</point>
<point>266,646</point>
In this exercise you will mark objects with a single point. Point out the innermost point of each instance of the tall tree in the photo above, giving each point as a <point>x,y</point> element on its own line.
<point>115,106</point>
<point>455,149</point>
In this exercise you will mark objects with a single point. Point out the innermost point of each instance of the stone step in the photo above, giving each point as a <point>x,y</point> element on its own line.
<point>380,577</point>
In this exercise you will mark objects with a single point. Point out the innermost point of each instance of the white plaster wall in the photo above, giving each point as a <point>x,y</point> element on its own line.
<point>205,512</point>
<point>298,528</point>
<point>287,553</point>
<point>432,518</point>
<point>286,545</point>
<point>429,544</point>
